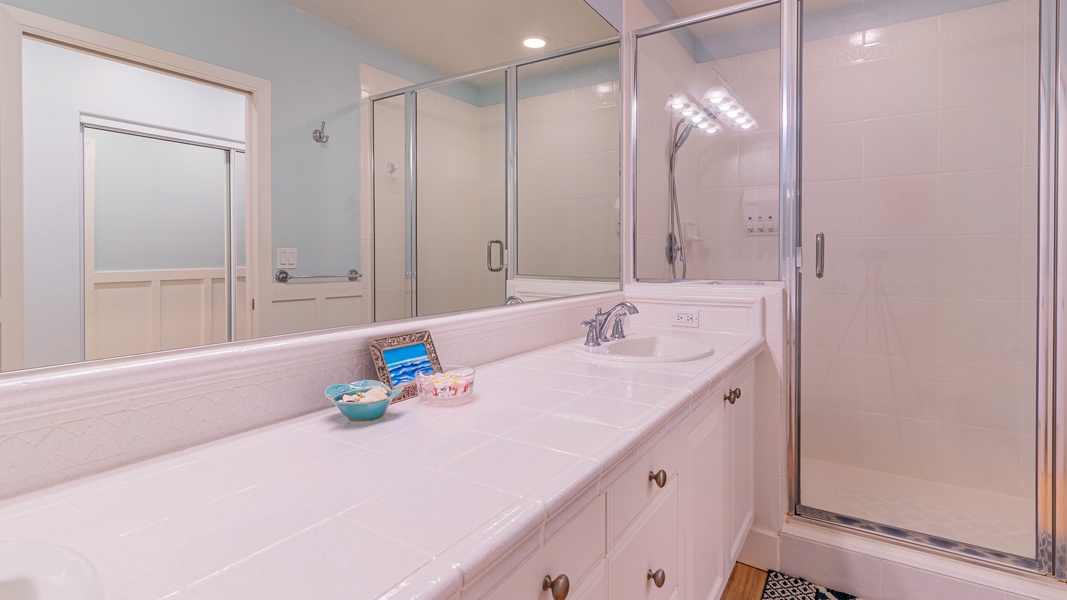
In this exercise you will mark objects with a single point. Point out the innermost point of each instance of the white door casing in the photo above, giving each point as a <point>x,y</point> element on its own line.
<point>11,297</point>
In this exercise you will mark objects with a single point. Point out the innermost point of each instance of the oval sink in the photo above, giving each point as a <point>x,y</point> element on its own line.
<point>39,571</point>
<point>647,348</point>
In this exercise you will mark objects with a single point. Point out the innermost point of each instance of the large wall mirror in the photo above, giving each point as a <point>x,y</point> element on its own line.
<point>135,228</point>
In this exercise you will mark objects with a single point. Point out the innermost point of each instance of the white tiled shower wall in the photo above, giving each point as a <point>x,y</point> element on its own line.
<point>569,182</point>
<point>920,169</point>
<point>712,173</point>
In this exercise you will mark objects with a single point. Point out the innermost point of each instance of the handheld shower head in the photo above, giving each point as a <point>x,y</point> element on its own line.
<point>682,137</point>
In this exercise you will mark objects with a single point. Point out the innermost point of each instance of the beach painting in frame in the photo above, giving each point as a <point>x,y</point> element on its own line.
<point>398,358</point>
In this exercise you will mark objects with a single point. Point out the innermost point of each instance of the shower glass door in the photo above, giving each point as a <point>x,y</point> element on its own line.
<point>460,230</point>
<point>919,287</point>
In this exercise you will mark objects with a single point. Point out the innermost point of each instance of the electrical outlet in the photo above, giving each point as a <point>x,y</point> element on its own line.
<point>685,318</point>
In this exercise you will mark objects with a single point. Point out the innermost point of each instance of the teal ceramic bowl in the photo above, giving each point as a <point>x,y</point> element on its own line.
<point>360,411</point>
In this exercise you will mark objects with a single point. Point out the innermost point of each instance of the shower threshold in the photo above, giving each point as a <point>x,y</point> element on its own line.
<point>976,517</point>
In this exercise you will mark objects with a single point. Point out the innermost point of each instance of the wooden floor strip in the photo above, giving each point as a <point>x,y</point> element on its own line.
<point>746,583</point>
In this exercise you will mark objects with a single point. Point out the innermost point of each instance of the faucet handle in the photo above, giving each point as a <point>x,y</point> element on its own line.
<point>592,338</point>
<point>616,329</point>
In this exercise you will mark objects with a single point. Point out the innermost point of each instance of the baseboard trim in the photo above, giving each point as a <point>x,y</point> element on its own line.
<point>760,549</point>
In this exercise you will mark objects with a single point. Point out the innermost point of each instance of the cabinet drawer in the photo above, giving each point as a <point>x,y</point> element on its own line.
<point>631,492</point>
<point>573,552</point>
<point>650,545</point>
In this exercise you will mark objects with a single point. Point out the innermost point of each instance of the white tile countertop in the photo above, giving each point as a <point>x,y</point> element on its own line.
<point>422,503</point>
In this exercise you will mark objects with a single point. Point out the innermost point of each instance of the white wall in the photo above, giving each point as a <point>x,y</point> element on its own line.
<point>60,85</point>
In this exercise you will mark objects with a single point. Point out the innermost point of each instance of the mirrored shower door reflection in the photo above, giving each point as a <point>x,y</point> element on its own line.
<point>918,339</point>
<point>460,227</point>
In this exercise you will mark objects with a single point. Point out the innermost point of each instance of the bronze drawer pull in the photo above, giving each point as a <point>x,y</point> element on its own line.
<point>560,586</point>
<point>659,477</point>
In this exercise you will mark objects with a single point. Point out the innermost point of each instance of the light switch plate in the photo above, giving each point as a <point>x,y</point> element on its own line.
<point>286,258</point>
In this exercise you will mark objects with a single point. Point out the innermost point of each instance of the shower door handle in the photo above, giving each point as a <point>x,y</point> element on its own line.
<point>489,255</point>
<point>820,254</point>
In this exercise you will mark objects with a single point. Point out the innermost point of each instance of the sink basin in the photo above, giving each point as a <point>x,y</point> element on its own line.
<point>39,571</point>
<point>647,349</point>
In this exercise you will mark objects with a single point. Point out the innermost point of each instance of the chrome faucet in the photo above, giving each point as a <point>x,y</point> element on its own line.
<point>613,316</point>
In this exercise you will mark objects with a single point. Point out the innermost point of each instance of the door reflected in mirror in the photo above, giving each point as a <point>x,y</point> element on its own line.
<point>127,200</point>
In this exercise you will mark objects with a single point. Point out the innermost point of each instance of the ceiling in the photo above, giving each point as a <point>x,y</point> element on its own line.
<point>459,36</point>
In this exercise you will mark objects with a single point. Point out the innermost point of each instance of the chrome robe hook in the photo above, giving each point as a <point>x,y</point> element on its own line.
<point>319,135</point>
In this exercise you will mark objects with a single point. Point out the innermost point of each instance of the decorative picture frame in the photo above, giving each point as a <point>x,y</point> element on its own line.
<point>398,358</point>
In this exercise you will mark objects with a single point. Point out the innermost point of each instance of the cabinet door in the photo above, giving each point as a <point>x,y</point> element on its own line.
<point>740,456</point>
<point>649,545</point>
<point>701,481</point>
<point>573,552</point>
<point>595,584</point>
<point>636,488</point>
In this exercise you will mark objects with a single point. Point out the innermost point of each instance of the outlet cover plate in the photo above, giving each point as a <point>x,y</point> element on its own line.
<point>685,318</point>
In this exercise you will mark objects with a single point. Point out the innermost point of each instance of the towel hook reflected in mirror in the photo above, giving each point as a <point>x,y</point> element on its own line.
<point>319,135</point>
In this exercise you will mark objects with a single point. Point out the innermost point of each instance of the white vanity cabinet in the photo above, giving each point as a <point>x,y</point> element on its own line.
<point>717,484</point>
<point>643,526</point>
<point>703,514</point>
<point>740,457</point>
<point>670,527</point>
<point>574,556</point>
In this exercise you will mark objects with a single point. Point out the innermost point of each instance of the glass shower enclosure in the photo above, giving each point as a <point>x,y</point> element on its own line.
<point>482,179</point>
<point>909,151</point>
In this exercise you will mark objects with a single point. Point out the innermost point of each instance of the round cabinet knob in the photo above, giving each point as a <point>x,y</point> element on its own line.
<point>736,392</point>
<point>660,477</point>
<point>729,397</point>
<point>658,577</point>
<point>560,586</point>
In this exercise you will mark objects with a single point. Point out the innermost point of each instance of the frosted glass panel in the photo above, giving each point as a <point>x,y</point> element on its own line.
<point>158,204</point>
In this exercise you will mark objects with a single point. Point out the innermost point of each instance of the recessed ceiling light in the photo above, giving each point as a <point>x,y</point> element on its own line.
<point>535,41</point>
